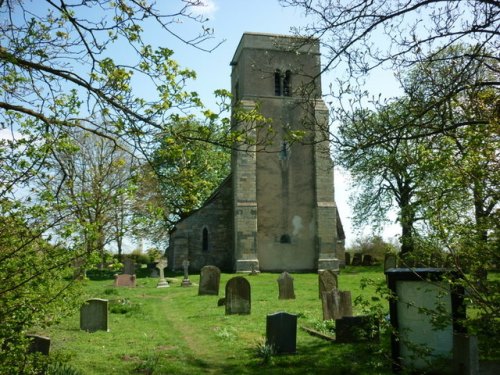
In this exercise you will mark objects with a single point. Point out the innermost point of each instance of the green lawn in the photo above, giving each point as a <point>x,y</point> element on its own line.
<point>175,331</point>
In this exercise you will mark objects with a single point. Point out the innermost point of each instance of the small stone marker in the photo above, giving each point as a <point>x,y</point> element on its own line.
<point>390,261</point>
<point>161,264</point>
<point>209,281</point>
<point>285,286</point>
<point>327,281</point>
<point>281,332</point>
<point>39,344</point>
<point>238,296</point>
<point>125,280</point>
<point>186,282</point>
<point>356,329</point>
<point>357,259</point>
<point>94,315</point>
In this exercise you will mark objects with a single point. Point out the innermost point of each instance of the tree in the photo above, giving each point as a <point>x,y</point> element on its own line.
<point>360,37</point>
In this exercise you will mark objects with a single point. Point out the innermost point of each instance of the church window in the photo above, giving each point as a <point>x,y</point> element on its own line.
<point>284,151</point>
<point>285,238</point>
<point>287,84</point>
<point>277,82</point>
<point>204,240</point>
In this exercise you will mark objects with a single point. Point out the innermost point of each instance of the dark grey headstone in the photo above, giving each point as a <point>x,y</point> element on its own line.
<point>357,259</point>
<point>330,302</point>
<point>285,286</point>
<point>356,329</point>
<point>327,281</point>
<point>281,332</point>
<point>465,354</point>
<point>390,261</point>
<point>238,296</point>
<point>209,281</point>
<point>94,315</point>
<point>367,260</point>
<point>128,266</point>
<point>39,344</point>
<point>347,259</point>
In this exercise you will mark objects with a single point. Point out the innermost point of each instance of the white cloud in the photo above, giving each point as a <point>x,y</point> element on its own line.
<point>206,8</point>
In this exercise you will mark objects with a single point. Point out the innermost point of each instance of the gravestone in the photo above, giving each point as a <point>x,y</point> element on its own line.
<point>327,281</point>
<point>421,294</point>
<point>125,280</point>
<point>281,332</point>
<point>356,329</point>
<point>390,261</point>
<point>209,281</point>
<point>285,286</point>
<point>186,282</point>
<point>347,259</point>
<point>357,259</point>
<point>78,264</point>
<point>238,299</point>
<point>39,344</point>
<point>465,354</point>
<point>161,264</point>
<point>367,260</point>
<point>94,315</point>
<point>128,266</point>
<point>336,304</point>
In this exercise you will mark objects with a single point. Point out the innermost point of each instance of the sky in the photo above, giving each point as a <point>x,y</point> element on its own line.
<point>230,19</point>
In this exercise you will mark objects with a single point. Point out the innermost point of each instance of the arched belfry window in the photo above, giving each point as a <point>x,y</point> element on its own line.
<point>285,238</point>
<point>287,84</point>
<point>204,239</point>
<point>277,82</point>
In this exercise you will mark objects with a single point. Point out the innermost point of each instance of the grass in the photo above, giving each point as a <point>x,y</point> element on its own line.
<point>175,331</point>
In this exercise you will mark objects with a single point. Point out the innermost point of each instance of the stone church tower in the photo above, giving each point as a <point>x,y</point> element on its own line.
<point>276,211</point>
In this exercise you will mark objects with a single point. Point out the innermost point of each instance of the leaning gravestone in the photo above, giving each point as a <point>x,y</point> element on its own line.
<point>285,286</point>
<point>209,281</point>
<point>238,296</point>
<point>281,332</point>
<point>347,259</point>
<point>125,280</point>
<point>327,281</point>
<point>367,260</point>
<point>390,261</point>
<point>38,344</point>
<point>94,315</point>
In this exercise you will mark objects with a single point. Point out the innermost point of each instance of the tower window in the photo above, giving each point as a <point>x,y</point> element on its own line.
<point>287,84</point>
<point>277,82</point>
<point>285,238</point>
<point>204,240</point>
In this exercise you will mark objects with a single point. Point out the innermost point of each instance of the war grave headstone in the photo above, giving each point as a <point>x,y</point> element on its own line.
<point>390,261</point>
<point>238,299</point>
<point>281,332</point>
<point>209,281</point>
<point>38,344</point>
<point>357,259</point>
<point>285,286</point>
<point>327,281</point>
<point>94,315</point>
<point>185,281</point>
<point>161,265</point>
<point>125,280</point>
<point>356,329</point>
<point>420,291</point>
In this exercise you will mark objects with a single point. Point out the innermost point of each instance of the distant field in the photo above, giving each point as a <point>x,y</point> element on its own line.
<point>175,331</point>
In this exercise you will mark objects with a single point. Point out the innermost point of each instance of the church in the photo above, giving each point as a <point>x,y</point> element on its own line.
<point>276,210</point>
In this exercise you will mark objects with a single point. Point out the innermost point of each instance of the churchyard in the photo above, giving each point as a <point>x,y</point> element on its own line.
<point>175,330</point>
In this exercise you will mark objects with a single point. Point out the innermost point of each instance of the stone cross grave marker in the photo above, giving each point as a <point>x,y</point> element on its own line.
<point>238,296</point>
<point>285,286</point>
<point>327,281</point>
<point>94,315</point>
<point>125,280</point>
<point>186,282</point>
<point>281,332</point>
<point>209,281</point>
<point>161,264</point>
